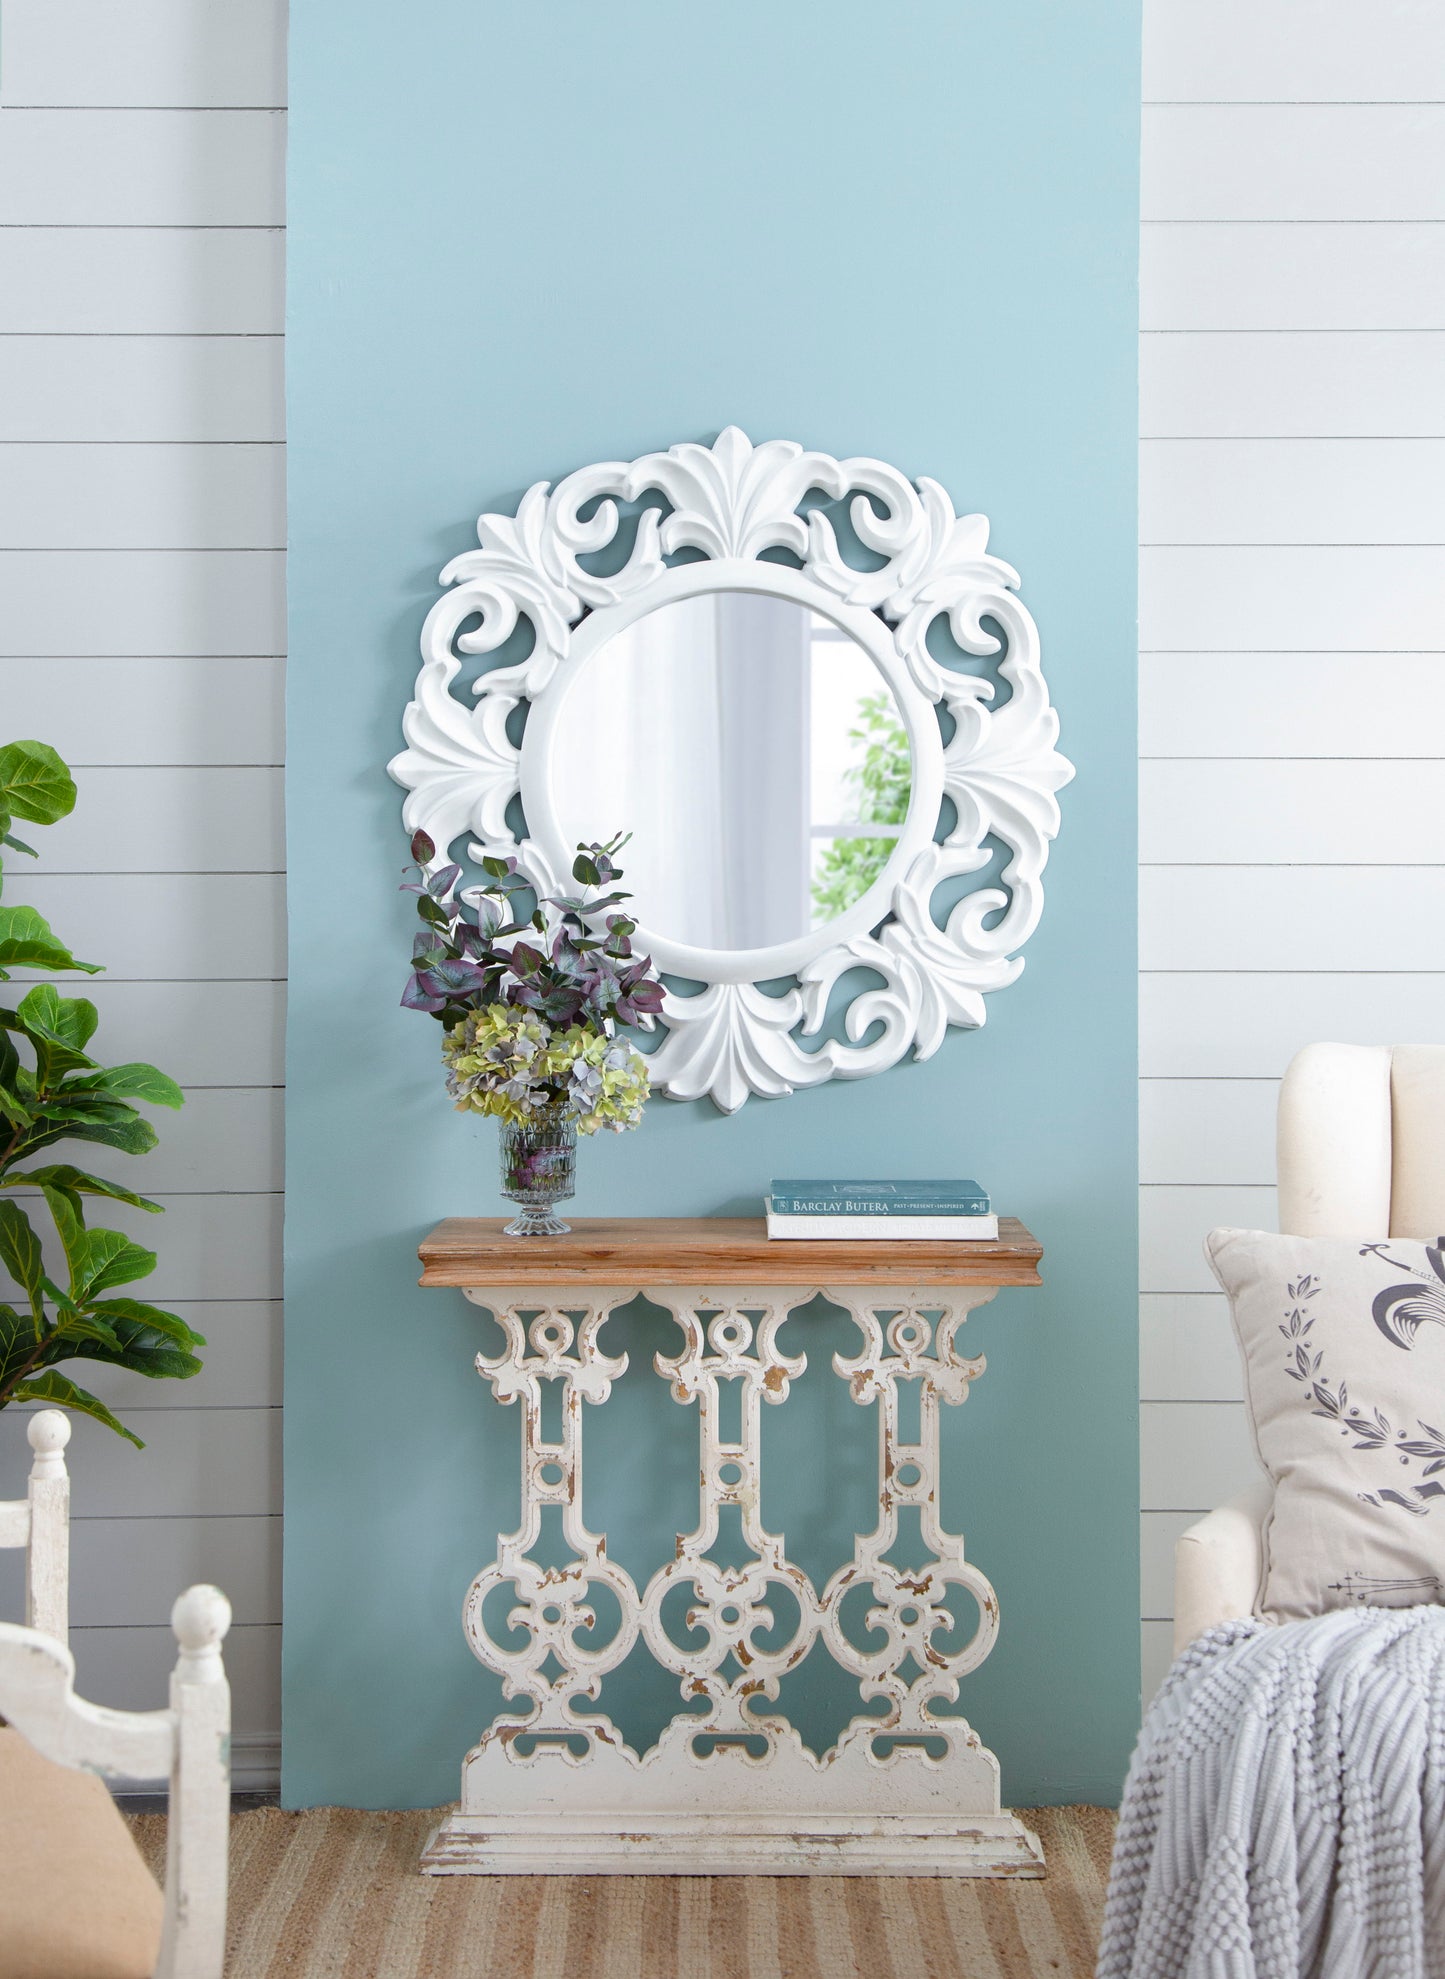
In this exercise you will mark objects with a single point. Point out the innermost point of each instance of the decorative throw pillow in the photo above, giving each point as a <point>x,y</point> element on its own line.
<point>1344,1354</point>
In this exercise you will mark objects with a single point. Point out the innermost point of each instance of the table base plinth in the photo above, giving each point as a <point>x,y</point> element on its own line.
<point>732,1845</point>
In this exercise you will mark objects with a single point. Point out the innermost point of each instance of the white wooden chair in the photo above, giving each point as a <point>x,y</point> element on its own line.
<point>1361,1153</point>
<point>75,1897</point>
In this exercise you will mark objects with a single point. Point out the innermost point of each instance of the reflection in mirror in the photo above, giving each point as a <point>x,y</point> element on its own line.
<point>755,752</point>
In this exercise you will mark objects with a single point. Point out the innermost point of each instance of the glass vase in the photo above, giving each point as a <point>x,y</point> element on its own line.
<point>539,1170</point>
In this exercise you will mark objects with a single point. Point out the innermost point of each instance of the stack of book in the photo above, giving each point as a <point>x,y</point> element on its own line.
<point>890,1212</point>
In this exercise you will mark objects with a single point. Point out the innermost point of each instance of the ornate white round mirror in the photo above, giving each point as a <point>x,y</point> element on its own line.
<point>810,791</point>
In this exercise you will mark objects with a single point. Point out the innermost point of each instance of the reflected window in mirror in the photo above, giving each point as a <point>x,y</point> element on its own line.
<point>756,754</point>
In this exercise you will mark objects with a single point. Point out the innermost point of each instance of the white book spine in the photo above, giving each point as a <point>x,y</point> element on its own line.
<point>883,1229</point>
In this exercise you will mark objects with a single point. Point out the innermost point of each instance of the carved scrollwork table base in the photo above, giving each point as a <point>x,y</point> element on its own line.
<point>730,1788</point>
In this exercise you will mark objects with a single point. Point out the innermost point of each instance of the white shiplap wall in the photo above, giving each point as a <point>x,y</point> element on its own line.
<point>142,528</point>
<point>1292,633</point>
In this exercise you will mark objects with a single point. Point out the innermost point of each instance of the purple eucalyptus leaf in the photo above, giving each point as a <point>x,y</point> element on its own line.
<point>416,997</point>
<point>422,849</point>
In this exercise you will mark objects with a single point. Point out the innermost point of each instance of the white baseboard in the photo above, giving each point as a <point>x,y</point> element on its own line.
<point>255,1762</point>
<point>255,1768</point>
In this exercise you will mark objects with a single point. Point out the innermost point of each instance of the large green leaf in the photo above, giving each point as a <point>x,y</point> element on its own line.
<point>133,1082</point>
<point>27,943</point>
<point>138,1081</point>
<point>60,1175</point>
<point>141,1314</point>
<point>59,1027</point>
<point>113,1125</point>
<point>103,1258</point>
<point>17,1345</point>
<point>53,1387</point>
<point>20,1250</point>
<point>65,1210</point>
<point>150,1342</point>
<point>34,783</point>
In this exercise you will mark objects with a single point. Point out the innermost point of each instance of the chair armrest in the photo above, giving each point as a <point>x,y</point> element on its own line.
<point>1219,1563</point>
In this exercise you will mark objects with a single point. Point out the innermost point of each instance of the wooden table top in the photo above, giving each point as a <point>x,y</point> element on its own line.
<point>714,1250</point>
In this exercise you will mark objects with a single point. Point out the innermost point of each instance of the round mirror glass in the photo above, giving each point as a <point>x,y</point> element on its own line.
<point>755,752</point>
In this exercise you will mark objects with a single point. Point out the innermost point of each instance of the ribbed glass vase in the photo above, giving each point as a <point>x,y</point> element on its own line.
<point>539,1170</point>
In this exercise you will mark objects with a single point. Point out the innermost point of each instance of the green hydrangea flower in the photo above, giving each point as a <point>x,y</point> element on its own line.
<point>511,1063</point>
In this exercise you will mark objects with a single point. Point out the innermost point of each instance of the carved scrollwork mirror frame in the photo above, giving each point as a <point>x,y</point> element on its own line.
<point>990,782</point>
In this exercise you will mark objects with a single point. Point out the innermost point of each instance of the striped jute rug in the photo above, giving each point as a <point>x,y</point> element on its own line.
<point>335,1894</point>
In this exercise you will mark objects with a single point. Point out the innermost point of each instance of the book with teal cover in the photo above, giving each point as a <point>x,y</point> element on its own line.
<point>821,1198</point>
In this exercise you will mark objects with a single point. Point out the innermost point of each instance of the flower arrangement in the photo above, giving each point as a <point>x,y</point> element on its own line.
<point>503,1060</point>
<point>531,1025</point>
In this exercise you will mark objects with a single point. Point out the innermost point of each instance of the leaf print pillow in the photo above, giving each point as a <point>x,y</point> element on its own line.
<point>1343,1346</point>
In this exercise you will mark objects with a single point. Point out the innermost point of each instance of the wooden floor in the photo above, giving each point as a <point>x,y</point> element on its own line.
<point>336,1893</point>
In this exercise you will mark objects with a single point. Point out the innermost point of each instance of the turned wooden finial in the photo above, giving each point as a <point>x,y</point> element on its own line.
<point>200,1619</point>
<point>49,1432</point>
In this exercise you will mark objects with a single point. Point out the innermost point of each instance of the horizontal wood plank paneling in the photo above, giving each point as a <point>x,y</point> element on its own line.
<point>1207,1130</point>
<point>197,926</point>
<point>1292,491</point>
<point>1322,813</point>
<point>224,1140</point>
<point>131,388</point>
<point>1292,275</point>
<point>162,1556</point>
<point>241,1360</point>
<point>1245,383</point>
<point>174,52</point>
<point>116,712</point>
<point>143,168</point>
<point>201,1033</point>
<point>1286,918</point>
<point>209,1249</point>
<point>142,525</point>
<point>97,281</point>
<point>223,1248</point>
<point>1294,161</point>
<point>129,1669</point>
<point>1174,1221</point>
<point>199,819</point>
<point>1156,1654</point>
<point>205,1462</point>
<point>1158,1532</point>
<point>1291,704</point>
<point>1193,1455</point>
<point>1187,1350</point>
<point>1281,51</point>
<point>1302,599</point>
<point>1217,1025</point>
<point>1292,616</point>
<point>142,603</point>
<point>145,497</point>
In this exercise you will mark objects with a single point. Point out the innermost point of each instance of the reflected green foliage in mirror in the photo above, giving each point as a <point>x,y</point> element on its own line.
<point>881,778</point>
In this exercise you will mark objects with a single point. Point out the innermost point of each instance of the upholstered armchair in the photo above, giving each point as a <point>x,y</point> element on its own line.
<point>1360,1152</point>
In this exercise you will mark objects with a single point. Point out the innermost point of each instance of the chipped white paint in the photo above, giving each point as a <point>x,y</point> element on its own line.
<point>40,1522</point>
<point>732,504</point>
<point>188,1743</point>
<point>730,1788</point>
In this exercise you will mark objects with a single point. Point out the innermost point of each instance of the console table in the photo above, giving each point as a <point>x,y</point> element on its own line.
<point>552,1786</point>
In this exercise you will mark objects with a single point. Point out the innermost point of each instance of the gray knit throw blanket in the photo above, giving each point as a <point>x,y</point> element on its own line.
<point>1284,1816</point>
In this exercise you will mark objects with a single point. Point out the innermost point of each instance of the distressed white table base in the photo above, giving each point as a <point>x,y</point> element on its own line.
<point>553,1788</point>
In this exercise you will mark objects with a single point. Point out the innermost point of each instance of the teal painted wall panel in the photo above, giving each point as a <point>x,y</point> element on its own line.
<point>526,238</point>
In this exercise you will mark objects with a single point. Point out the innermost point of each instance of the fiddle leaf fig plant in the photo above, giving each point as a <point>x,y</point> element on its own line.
<point>52,1090</point>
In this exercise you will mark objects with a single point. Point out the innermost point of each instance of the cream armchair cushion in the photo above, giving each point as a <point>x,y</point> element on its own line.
<point>1361,1150</point>
<point>1343,1344</point>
